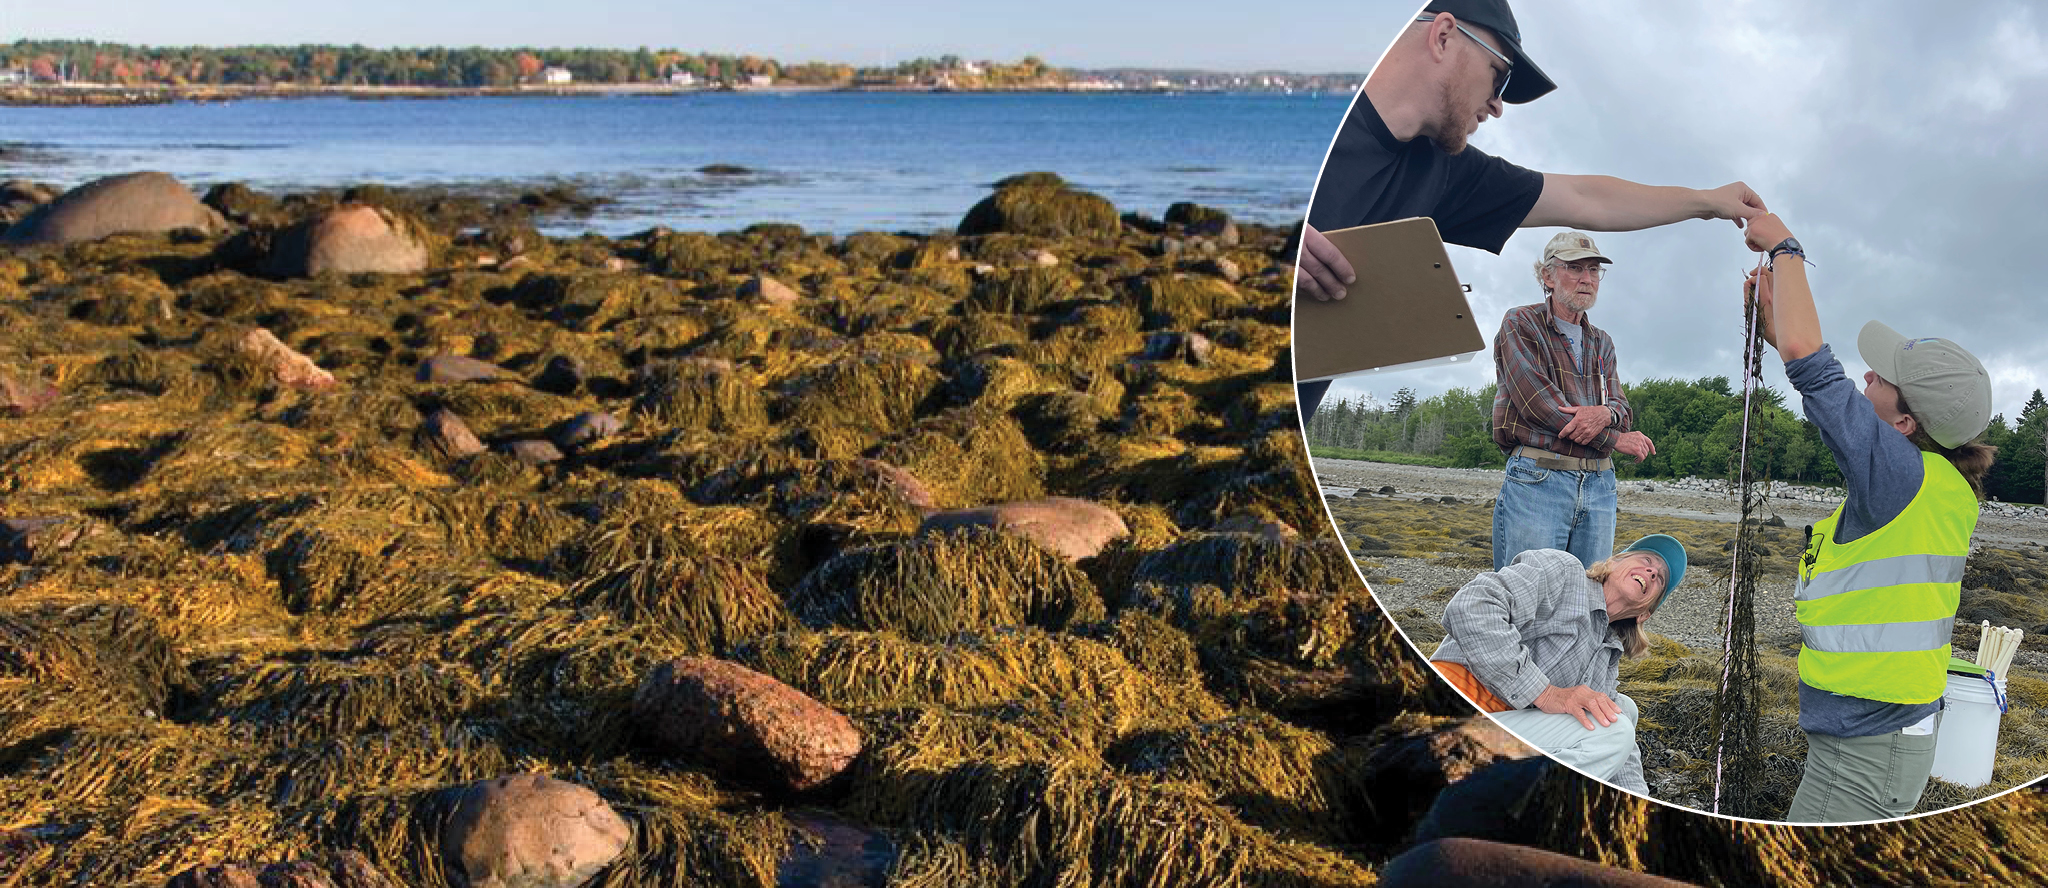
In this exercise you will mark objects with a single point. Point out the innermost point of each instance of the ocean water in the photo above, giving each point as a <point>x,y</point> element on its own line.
<point>832,162</point>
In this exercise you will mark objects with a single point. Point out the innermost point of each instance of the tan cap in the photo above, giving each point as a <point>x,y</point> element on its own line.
<point>1572,246</point>
<point>1945,386</point>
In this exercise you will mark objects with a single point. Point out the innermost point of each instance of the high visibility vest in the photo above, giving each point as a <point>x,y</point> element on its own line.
<point>1875,615</point>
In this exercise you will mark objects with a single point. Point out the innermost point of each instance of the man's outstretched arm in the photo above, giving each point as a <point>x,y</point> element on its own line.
<point>1605,203</point>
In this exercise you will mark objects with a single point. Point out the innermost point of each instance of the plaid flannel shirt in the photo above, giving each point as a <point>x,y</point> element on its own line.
<point>1538,622</point>
<point>1532,359</point>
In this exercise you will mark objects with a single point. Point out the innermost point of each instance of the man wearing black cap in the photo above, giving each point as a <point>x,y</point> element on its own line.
<point>1401,152</point>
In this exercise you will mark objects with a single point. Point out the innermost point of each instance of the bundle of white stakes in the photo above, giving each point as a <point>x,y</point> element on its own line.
<point>1996,646</point>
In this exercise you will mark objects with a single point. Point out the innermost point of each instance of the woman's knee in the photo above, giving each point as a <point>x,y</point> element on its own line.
<point>1628,707</point>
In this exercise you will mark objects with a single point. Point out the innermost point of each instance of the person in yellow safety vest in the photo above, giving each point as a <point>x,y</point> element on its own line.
<point>1880,579</point>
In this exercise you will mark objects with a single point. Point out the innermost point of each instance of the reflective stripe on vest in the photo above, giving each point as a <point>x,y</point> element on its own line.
<point>1876,613</point>
<point>1925,635</point>
<point>1898,570</point>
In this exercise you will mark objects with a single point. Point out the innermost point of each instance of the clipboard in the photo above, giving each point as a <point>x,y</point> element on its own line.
<point>1406,309</point>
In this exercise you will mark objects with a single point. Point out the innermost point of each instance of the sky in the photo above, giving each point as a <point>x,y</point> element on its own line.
<point>1229,36</point>
<point>1905,145</point>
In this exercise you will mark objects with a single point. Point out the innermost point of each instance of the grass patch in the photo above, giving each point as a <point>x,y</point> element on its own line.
<point>1382,456</point>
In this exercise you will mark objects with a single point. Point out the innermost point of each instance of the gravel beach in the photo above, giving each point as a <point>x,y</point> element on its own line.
<point>1693,615</point>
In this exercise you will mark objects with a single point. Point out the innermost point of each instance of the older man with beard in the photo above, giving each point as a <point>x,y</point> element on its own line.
<point>1560,414</point>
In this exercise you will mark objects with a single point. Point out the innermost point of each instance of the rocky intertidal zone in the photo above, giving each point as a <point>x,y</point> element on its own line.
<point>371,538</point>
<point>362,536</point>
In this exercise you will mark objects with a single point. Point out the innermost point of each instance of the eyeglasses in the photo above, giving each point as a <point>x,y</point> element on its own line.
<point>1500,75</point>
<point>1597,270</point>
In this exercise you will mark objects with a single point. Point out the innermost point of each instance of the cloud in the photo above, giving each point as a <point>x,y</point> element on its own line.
<point>1903,143</point>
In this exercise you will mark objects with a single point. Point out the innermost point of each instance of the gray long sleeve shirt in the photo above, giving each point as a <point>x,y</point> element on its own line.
<point>1536,623</point>
<point>1883,472</point>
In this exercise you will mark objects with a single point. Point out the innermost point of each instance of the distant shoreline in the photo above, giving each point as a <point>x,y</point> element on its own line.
<point>109,95</point>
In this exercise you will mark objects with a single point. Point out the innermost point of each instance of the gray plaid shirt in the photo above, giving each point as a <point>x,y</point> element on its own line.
<point>1538,622</point>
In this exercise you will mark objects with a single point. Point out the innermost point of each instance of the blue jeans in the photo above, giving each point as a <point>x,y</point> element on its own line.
<point>1543,508</point>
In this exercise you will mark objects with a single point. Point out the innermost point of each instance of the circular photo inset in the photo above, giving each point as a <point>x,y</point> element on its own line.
<point>1671,378</point>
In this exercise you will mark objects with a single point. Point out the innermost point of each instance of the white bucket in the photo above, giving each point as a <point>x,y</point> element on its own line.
<point>1966,740</point>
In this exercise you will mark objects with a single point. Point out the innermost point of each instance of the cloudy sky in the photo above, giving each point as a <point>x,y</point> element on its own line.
<point>1905,144</point>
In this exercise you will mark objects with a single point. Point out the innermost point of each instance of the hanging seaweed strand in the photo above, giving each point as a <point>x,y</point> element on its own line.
<point>1738,764</point>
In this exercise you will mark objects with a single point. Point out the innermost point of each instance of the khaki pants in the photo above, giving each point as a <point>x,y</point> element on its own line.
<point>1608,753</point>
<point>1862,778</point>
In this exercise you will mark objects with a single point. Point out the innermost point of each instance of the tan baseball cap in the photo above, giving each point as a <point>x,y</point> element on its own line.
<point>1572,246</point>
<point>1945,386</point>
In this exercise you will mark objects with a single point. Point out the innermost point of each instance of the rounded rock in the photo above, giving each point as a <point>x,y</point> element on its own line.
<point>1073,528</point>
<point>449,369</point>
<point>349,239</point>
<point>534,452</point>
<point>768,291</point>
<point>896,480</point>
<point>587,428</point>
<point>747,726</point>
<point>131,202</point>
<point>445,433</point>
<point>530,831</point>
<point>286,364</point>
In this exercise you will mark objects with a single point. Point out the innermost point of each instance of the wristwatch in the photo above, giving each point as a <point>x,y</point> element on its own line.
<point>1788,245</point>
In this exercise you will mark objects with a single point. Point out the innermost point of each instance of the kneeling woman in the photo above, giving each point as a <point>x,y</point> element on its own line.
<point>1539,644</point>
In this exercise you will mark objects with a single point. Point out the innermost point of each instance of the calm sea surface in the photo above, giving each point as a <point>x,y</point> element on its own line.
<point>836,162</point>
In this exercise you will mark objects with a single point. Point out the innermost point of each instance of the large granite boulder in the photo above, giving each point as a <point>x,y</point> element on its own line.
<point>131,202</point>
<point>349,239</point>
<point>529,831</point>
<point>744,725</point>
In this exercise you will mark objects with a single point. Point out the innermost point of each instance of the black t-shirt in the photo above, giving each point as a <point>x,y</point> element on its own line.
<point>1477,200</point>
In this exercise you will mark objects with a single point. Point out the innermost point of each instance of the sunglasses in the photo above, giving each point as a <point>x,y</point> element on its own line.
<point>1500,75</point>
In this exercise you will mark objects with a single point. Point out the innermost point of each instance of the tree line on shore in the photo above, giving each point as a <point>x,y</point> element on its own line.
<point>1695,424</point>
<point>51,61</point>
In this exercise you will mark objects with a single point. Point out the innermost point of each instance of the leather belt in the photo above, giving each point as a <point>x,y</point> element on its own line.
<point>1558,462</point>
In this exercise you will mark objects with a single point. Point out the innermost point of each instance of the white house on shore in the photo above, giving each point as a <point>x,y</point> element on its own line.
<point>555,75</point>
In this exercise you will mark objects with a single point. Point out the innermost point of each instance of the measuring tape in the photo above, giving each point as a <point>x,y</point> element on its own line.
<point>1750,359</point>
